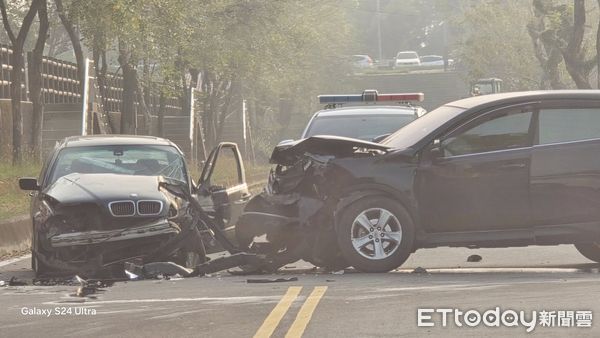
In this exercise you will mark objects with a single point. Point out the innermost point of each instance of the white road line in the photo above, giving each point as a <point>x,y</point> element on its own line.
<point>505,270</point>
<point>14,260</point>
<point>208,300</point>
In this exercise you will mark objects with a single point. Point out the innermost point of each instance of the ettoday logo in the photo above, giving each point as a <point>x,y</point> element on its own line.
<point>497,317</point>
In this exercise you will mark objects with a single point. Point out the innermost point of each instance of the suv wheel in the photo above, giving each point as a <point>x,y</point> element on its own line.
<point>375,234</point>
<point>590,250</point>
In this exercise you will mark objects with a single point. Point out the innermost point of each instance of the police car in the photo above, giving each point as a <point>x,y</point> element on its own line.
<point>368,116</point>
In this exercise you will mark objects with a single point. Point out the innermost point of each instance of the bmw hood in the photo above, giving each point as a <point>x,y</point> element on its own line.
<point>104,188</point>
<point>289,153</point>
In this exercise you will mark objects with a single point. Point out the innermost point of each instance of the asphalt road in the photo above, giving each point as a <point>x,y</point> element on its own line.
<point>319,304</point>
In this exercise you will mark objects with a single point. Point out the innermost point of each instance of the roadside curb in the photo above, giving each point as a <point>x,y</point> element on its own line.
<point>15,234</point>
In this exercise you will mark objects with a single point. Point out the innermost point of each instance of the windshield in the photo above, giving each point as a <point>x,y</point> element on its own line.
<point>485,88</point>
<point>147,160</point>
<point>414,132</point>
<point>361,127</point>
<point>407,55</point>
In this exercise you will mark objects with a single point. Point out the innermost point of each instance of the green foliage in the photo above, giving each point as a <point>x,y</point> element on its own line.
<point>14,201</point>
<point>492,48</point>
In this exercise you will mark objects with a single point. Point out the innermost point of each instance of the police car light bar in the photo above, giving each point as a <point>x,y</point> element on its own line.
<point>370,96</point>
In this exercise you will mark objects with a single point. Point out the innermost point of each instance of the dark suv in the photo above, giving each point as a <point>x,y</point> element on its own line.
<point>512,169</point>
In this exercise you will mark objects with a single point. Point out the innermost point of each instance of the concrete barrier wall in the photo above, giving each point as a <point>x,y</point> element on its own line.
<point>15,234</point>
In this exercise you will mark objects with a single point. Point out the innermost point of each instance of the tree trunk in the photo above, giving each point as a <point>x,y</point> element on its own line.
<point>17,63</point>
<point>35,81</point>
<point>75,41</point>
<point>572,54</point>
<point>143,107</point>
<point>598,54</point>
<point>15,96</point>
<point>128,118</point>
<point>161,113</point>
<point>210,107</point>
<point>548,55</point>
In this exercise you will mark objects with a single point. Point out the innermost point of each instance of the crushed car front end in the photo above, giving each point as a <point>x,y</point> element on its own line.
<point>87,223</point>
<point>307,185</point>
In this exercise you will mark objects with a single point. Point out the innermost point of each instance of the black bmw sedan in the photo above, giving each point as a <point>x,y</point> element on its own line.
<point>99,202</point>
<point>503,170</point>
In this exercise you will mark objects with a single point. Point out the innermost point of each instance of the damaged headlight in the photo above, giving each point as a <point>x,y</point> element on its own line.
<point>285,178</point>
<point>44,212</point>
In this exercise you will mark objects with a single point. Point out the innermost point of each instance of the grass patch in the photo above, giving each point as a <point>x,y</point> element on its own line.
<point>14,201</point>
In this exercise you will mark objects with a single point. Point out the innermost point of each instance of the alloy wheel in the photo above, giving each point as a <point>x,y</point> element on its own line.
<point>376,233</point>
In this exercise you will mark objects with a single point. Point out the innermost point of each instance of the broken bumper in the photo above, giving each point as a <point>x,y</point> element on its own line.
<point>161,227</point>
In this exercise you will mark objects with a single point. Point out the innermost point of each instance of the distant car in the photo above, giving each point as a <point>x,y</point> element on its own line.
<point>365,122</point>
<point>362,61</point>
<point>407,58</point>
<point>434,61</point>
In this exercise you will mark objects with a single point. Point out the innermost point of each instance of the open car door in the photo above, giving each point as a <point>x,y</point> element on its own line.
<point>223,184</point>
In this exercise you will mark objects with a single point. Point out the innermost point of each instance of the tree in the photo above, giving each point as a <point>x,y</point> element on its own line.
<point>75,41</point>
<point>489,47</point>
<point>562,26</point>
<point>17,42</point>
<point>548,54</point>
<point>35,82</point>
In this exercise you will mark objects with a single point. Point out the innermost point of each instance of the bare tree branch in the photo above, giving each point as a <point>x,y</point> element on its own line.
<point>7,27</point>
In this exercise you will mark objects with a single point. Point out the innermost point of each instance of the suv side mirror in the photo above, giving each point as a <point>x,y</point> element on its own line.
<point>28,183</point>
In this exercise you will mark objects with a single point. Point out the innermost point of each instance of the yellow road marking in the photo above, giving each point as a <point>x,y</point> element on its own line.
<point>306,312</point>
<point>271,322</point>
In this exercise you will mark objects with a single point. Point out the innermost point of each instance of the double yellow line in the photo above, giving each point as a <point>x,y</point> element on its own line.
<point>303,317</point>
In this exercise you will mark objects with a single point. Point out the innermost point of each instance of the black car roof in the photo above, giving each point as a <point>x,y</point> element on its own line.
<point>103,140</point>
<point>503,98</point>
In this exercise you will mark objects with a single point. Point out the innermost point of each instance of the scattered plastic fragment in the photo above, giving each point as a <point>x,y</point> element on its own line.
<point>14,281</point>
<point>131,275</point>
<point>419,270</point>
<point>83,291</point>
<point>271,280</point>
<point>339,272</point>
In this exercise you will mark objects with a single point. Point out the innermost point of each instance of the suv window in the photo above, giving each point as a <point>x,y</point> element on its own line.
<point>497,132</point>
<point>568,124</point>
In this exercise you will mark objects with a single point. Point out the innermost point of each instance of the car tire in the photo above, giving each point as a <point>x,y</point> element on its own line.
<point>590,250</point>
<point>39,268</point>
<point>375,234</point>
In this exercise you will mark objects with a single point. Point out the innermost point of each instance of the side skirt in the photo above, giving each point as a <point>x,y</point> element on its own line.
<point>539,235</point>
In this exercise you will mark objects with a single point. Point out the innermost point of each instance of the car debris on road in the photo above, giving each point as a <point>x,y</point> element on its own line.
<point>474,258</point>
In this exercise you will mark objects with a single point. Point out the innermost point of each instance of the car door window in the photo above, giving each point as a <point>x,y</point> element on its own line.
<point>224,169</point>
<point>568,124</point>
<point>501,131</point>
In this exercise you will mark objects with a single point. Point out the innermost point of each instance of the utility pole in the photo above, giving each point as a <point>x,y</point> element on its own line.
<point>379,32</point>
